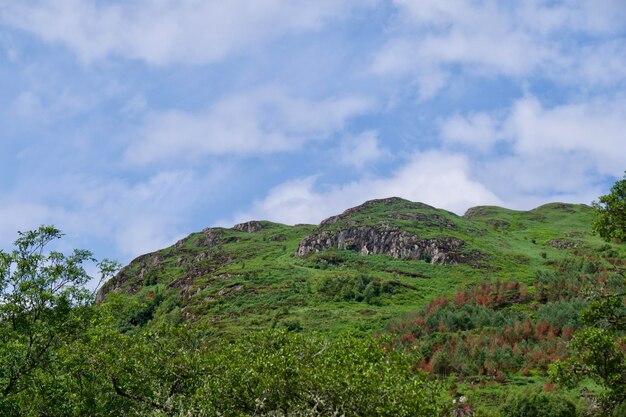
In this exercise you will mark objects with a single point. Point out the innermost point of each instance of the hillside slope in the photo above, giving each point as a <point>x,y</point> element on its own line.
<point>354,272</point>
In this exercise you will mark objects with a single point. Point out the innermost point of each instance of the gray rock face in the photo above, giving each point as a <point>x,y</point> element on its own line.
<point>250,227</point>
<point>368,240</point>
<point>565,244</point>
<point>210,237</point>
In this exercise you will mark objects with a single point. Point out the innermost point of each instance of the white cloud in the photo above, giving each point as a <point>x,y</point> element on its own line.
<point>596,16</point>
<point>534,151</point>
<point>435,178</point>
<point>260,122</point>
<point>134,106</point>
<point>132,218</point>
<point>144,216</point>
<point>599,65</point>
<point>361,150</point>
<point>554,153</point>
<point>479,36</point>
<point>165,32</point>
<point>478,130</point>
<point>9,48</point>
<point>527,181</point>
<point>544,16</point>
<point>400,57</point>
<point>27,105</point>
<point>514,39</point>
<point>594,128</point>
<point>39,106</point>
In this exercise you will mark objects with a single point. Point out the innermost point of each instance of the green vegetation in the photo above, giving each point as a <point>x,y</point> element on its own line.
<point>175,371</point>
<point>491,324</point>
<point>64,356</point>
<point>610,221</point>
<point>239,281</point>
<point>43,308</point>
<point>538,404</point>
<point>597,351</point>
<point>234,322</point>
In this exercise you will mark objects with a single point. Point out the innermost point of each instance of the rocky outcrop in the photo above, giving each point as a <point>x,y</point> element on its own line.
<point>570,208</point>
<point>398,244</point>
<point>145,263</point>
<point>149,264</point>
<point>565,244</point>
<point>211,237</point>
<point>252,226</point>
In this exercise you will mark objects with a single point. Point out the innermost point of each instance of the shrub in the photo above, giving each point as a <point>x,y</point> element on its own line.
<point>538,404</point>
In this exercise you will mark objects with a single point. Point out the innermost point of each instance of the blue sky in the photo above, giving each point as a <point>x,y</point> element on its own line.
<point>129,124</point>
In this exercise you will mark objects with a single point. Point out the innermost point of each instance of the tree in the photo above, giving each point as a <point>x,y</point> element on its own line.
<point>291,374</point>
<point>610,222</point>
<point>598,351</point>
<point>44,305</point>
<point>182,371</point>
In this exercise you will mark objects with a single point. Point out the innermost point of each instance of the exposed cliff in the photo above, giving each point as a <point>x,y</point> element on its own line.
<point>398,244</point>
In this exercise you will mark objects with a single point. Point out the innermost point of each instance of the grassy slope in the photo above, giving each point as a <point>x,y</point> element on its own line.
<point>254,281</point>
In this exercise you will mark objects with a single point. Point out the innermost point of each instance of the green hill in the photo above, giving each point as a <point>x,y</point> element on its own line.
<point>355,272</point>
<point>392,308</point>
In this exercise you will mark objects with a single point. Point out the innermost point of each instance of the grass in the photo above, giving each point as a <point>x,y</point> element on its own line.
<point>252,281</point>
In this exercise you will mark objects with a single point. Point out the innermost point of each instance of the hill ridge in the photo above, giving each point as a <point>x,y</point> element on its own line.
<point>258,272</point>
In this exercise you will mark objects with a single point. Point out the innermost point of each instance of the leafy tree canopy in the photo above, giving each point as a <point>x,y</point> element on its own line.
<point>610,209</point>
<point>44,306</point>
<point>598,351</point>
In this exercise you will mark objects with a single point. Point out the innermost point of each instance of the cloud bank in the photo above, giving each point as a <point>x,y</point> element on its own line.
<point>440,179</point>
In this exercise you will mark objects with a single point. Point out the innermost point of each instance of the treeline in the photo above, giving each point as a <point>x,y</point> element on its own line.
<point>175,371</point>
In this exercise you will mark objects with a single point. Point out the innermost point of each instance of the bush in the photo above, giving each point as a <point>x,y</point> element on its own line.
<point>538,404</point>
<point>360,288</point>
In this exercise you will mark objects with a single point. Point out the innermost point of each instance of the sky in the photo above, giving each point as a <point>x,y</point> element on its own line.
<point>130,124</point>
